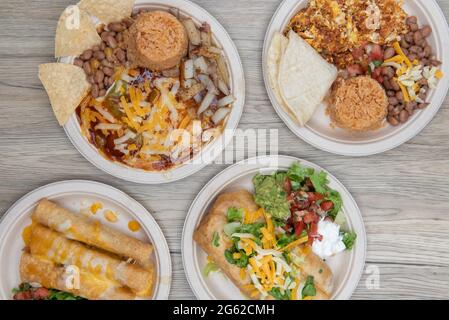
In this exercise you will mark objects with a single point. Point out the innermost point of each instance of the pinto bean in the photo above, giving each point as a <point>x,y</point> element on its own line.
<point>414,27</point>
<point>87,68</point>
<point>422,105</point>
<point>426,31</point>
<point>108,71</point>
<point>99,55</point>
<point>393,101</point>
<point>116,26</point>
<point>111,42</point>
<point>427,51</point>
<point>404,43</point>
<point>400,96</point>
<point>393,121</point>
<point>388,72</point>
<point>411,20</point>
<point>403,116</point>
<point>417,36</point>
<point>86,55</point>
<point>102,93</point>
<point>99,76</point>
<point>391,93</point>
<point>389,53</point>
<point>78,62</point>
<point>95,91</point>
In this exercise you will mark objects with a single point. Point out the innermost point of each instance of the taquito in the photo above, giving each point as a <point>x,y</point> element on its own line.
<point>55,247</point>
<point>83,229</point>
<point>37,270</point>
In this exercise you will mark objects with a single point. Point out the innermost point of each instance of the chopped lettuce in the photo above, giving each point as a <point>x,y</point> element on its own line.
<point>234,214</point>
<point>335,197</point>
<point>309,289</point>
<point>319,181</point>
<point>297,174</point>
<point>209,268</point>
<point>216,239</point>
<point>242,262</point>
<point>349,239</point>
<point>231,228</point>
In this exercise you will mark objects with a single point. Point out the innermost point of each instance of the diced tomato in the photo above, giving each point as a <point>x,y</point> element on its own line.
<point>355,70</point>
<point>310,217</point>
<point>327,205</point>
<point>314,196</point>
<point>287,186</point>
<point>313,233</point>
<point>358,53</point>
<point>299,227</point>
<point>377,75</point>
<point>376,53</point>
<point>41,294</point>
<point>24,295</point>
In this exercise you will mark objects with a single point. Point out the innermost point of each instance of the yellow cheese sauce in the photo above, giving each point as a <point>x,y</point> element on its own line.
<point>110,216</point>
<point>95,207</point>
<point>134,226</point>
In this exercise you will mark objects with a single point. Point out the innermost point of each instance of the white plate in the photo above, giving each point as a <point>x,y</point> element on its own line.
<point>347,266</point>
<point>318,131</point>
<point>76,195</point>
<point>211,151</point>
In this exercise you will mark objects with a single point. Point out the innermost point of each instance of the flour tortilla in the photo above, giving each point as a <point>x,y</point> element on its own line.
<point>304,79</point>
<point>66,86</point>
<point>75,33</point>
<point>275,52</point>
<point>108,10</point>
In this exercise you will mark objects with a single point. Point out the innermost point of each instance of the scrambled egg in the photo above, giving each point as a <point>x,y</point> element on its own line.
<point>336,27</point>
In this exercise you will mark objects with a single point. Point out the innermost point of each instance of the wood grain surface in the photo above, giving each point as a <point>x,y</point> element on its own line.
<point>403,193</point>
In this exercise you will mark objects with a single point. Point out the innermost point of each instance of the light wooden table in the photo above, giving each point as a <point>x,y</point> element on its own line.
<point>403,194</point>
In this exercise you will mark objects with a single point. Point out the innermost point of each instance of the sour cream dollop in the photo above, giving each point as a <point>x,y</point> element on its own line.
<point>332,242</point>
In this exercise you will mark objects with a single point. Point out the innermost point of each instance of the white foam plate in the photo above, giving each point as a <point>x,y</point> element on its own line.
<point>76,195</point>
<point>212,150</point>
<point>347,267</point>
<point>318,131</point>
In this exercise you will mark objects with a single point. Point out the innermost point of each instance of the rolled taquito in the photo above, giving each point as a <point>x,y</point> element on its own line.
<point>55,247</point>
<point>83,229</point>
<point>49,275</point>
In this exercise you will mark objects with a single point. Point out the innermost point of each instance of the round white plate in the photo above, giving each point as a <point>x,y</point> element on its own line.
<point>212,150</point>
<point>77,195</point>
<point>318,131</point>
<point>347,267</point>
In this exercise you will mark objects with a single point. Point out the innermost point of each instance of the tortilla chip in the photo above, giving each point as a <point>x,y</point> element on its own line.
<point>108,10</point>
<point>66,86</point>
<point>75,33</point>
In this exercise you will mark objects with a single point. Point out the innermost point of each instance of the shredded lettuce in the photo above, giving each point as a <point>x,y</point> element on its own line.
<point>234,214</point>
<point>349,239</point>
<point>309,289</point>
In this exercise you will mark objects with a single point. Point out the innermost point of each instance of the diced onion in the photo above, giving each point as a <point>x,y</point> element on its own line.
<point>108,126</point>
<point>201,64</point>
<point>189,70</point>
<point>175,87</point>
<point>207,82</point>
<point>206,102</point>
<point>219,115</point>
<point>223,87</point>
<point>128,135</point>
<point>225,101</point>
<point>105,114</point>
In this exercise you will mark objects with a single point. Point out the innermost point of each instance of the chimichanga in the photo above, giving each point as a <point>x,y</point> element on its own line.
<point>55,247</point>
<point>213,223</point>
<point>37,270</point>
<point>83,229</point>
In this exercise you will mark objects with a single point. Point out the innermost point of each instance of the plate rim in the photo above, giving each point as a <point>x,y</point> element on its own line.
<point>388,143</point>
<point>188,243</point>
<point>210,152</point>
<point>161,246</point>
